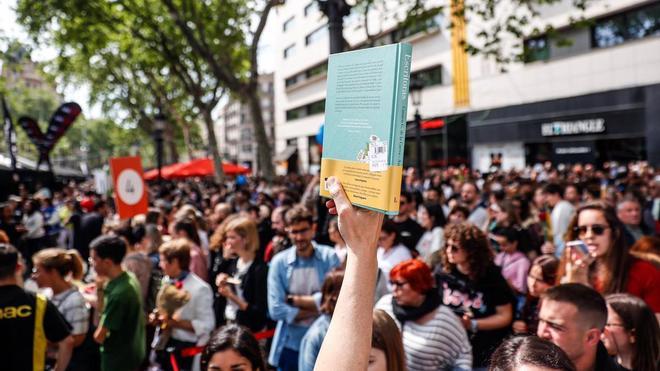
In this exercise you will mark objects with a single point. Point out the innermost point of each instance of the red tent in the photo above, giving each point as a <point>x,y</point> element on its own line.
<point>199,167</point>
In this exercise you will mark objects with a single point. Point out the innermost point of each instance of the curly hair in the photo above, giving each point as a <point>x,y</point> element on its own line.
<point>475,243</point>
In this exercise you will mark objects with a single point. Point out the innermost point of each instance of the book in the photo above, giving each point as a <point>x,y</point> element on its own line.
<point>365,124</point>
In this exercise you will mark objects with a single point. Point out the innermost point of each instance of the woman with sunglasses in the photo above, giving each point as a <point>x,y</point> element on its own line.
<point>433,338</point>
<point>607,264</point>
<point>632,334</point>
<point>474,288</point>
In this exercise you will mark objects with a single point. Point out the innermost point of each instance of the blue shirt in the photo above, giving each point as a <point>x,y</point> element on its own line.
<point>281,268</point>
<point>311,343</point>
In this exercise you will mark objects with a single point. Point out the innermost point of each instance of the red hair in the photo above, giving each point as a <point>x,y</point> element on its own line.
<point>416,273</point>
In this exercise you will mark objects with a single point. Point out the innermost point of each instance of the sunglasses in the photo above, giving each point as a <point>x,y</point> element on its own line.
<point>596,229</point>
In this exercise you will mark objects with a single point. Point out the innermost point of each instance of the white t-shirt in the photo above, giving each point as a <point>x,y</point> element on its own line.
<point>390,258</point>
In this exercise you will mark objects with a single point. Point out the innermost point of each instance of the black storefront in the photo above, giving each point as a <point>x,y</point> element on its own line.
<point>618,125</point>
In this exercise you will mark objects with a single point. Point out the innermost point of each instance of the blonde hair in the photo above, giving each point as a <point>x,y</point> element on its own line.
<point>61,260</point>
<point>247,229</point>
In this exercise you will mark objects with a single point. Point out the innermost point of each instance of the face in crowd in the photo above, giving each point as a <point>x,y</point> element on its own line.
<point>301,234</point>
<point>469,193</point>
<point>594,230</point>
<point>629,212</point>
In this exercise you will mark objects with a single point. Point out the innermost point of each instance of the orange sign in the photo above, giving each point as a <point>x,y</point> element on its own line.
<point>130,190</point>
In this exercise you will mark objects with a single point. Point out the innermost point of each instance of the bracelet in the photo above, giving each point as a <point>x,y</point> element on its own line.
<point>474,326</point>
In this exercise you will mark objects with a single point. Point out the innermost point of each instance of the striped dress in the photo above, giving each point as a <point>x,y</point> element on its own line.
<point>439,344</point>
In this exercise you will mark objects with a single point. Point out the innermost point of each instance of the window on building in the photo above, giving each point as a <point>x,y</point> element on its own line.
<point>316,35</point>
<point>321,69</point>
<point>289,51</point>
<point>536,49</point>
<point>291,81</point>
<point>246,147</point>
<point>310,8</point>
<point>631,25</point>
<point>428,76</point>
<point>306,110</point>
<point>288,24</point>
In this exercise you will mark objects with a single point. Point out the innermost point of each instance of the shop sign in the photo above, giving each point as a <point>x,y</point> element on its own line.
<point>588,126</point>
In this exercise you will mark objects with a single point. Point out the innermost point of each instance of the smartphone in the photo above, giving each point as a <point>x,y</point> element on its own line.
<point>233,281</point>
<point>579,246</point>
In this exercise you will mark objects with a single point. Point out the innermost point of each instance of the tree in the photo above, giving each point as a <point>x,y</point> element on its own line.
<point>209,47</point>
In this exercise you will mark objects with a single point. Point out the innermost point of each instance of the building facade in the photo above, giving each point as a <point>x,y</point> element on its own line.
<point>235,131</point>
<point>590,99</point>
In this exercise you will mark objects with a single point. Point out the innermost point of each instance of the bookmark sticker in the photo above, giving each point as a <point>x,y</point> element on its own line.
<point>377,154</point>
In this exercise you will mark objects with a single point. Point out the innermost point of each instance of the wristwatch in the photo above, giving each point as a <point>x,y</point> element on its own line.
<point>473,326</point>
<point>289,299</point>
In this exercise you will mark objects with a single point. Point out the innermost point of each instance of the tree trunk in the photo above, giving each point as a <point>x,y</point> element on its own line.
<point>219,175</point>
<point>264,152</point>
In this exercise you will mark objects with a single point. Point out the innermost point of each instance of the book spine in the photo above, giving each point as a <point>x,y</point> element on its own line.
<point>400,110</point>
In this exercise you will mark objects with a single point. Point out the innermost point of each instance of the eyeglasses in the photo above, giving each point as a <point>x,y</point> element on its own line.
<point>597,229</point>
<point>299,231</point>
<point>398,284</point>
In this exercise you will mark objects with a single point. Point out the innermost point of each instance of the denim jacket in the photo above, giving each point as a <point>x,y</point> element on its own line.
<point>279,275</point>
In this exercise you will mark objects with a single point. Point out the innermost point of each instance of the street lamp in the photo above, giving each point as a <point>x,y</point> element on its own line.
<point>335,10</point>
<point>159,127</point>
<point>416,87</point>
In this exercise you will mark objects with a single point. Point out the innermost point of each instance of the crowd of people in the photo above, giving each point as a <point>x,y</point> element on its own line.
<point>548,267</point>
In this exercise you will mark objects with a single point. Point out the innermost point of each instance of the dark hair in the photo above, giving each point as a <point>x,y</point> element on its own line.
<point>9,257</point>
<point>554,189</point>
<point>153,214</point>
<point>330,290</point>
<point>387,337</point>
<point>99,204</point>
<point>519,351</point>
<point>590,305</point>
<point>109,247</point>
<point>617,259</point>
<point>407,195</point>
<point>548,264</point>
<point>187,225</point>
<point>639,319</point>
<point>436,214</point>
<point>510,233</point>
<point>389,227</point>
<point>460,209</point>
<point>475,243</point>
<point>236,338</point>
<point>297,215</point>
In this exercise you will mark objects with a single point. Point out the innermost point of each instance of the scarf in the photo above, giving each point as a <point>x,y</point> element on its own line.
<point>408,313</point>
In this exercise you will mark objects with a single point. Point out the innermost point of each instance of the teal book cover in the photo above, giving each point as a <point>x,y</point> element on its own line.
<point>365,124</point>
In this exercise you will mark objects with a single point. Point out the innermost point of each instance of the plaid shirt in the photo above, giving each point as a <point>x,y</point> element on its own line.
<point>74,309</point>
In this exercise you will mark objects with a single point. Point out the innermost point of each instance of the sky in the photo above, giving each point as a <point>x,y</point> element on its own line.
<point>80,94</point>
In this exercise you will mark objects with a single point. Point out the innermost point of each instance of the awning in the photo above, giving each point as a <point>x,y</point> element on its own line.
<point>433,124</point>
<point>286,154</point>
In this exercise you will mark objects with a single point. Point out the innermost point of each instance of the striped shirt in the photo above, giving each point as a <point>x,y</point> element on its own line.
<point>73,308</point>
<point>439,344</point>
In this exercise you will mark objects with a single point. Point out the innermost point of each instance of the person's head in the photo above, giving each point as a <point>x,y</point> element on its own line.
<point>389,234</point>
<point>572,194</point>
<point>529,353</point>
<point>222,211</point>
<point>596,224</point>
<point>241,236</point>
<point>406,203</point>
<point>54,264</point>
<point>411,281</point>
<point>101,207</point>
<point>573,316</point>
<point>107,252</point>
<point>175,256</point>
<point>277,220</point>
<point>152,238</point>
<point>458,214</point>
<point>185,228</point>
<point>632,329</point>
<point>542,274</point>
<point>10,262</point>
<point>553,193</point>
<point>300,228</point>
<point>330,290</point>
<point>232,348</point>
<point>469,193</point>
<point>387,352</point>
<point>433,195</point>
<point>430,216</point>
<point>538,199</point>
<point>333,232</point>
<point>507,238</point>
<point>629,210</point>
<point>466,245</point>
<point>154,216</point>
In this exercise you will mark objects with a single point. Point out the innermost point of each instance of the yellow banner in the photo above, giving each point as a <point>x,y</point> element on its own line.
<point>375,190</point>
<point>459,55</point>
